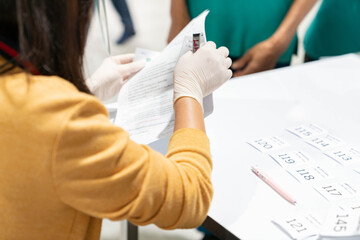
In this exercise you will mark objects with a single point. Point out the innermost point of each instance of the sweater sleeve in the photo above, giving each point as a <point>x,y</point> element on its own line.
<point>98,170</point>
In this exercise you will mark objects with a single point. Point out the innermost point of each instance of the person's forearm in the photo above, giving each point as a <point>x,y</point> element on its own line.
<point>179,10</point>
<point>179,17</point>
<point>188,114</point>
<point>287,29</point>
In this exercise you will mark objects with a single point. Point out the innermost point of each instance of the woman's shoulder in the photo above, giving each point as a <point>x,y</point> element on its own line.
<point>45,94</point>
<point>61,92</point>
<point>54,84</point>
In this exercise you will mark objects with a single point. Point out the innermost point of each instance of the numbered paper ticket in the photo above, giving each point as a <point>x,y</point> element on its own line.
<point>352,204</point>
<point>325,142</point>
<point>345,155</point>
<point>298,226</point>
<point>309,173</point>
<point>341,224</point>
<point>335,190</point>
<point>356,168</point>
<point>290,159</point>
<point>307,130</point>
<point>267,144</point>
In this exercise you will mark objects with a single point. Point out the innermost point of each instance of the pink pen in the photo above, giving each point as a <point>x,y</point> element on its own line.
<point>271,184</point>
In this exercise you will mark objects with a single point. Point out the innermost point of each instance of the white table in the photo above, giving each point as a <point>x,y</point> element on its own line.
<point>264,104</point>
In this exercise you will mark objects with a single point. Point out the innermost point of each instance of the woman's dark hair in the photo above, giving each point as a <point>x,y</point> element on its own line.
<point>50,34</point>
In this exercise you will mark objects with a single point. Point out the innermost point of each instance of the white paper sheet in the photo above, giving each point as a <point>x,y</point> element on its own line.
<point>147,54</point>
<point>145,103</point>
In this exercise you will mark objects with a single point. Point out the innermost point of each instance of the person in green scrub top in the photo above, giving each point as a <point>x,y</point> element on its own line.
<point>260,34</point>
<point>334,31</point>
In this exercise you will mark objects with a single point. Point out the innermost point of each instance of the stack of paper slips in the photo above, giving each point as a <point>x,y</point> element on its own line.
<point>338,224</point>
<point>341,225</point>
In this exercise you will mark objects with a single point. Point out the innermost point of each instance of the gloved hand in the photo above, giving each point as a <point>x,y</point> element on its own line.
<point>112,74</point>
<point>199,74</point>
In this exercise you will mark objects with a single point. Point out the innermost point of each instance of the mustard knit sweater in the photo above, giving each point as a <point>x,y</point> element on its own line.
<point>64,166</point>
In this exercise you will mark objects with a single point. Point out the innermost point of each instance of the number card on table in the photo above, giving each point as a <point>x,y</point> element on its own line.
<point>341,224</point>
<point>336,191</point>
<point>344,155</point>
<point>298,226</point>
<point>291,159</point>
<point>352,204</point>
<point>356,168</point>
<point>267,144</point>
<point>307,130</point>
<point>308,173</point>
<point>325,142</point>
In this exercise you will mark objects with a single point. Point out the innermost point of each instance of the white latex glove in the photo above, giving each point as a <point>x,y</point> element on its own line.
<point>112,74</point>
<point>199,74</point>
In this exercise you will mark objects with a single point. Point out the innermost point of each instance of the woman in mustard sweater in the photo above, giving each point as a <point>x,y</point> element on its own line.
<point>63,165</point>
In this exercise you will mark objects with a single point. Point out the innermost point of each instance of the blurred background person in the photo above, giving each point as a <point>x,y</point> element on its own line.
<point>260,35</point>
<point>334,31</point>
<point>122,8</point>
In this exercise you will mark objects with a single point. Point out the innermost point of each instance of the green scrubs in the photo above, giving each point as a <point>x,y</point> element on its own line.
<point>241,24</point>
<point>335,29</point>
